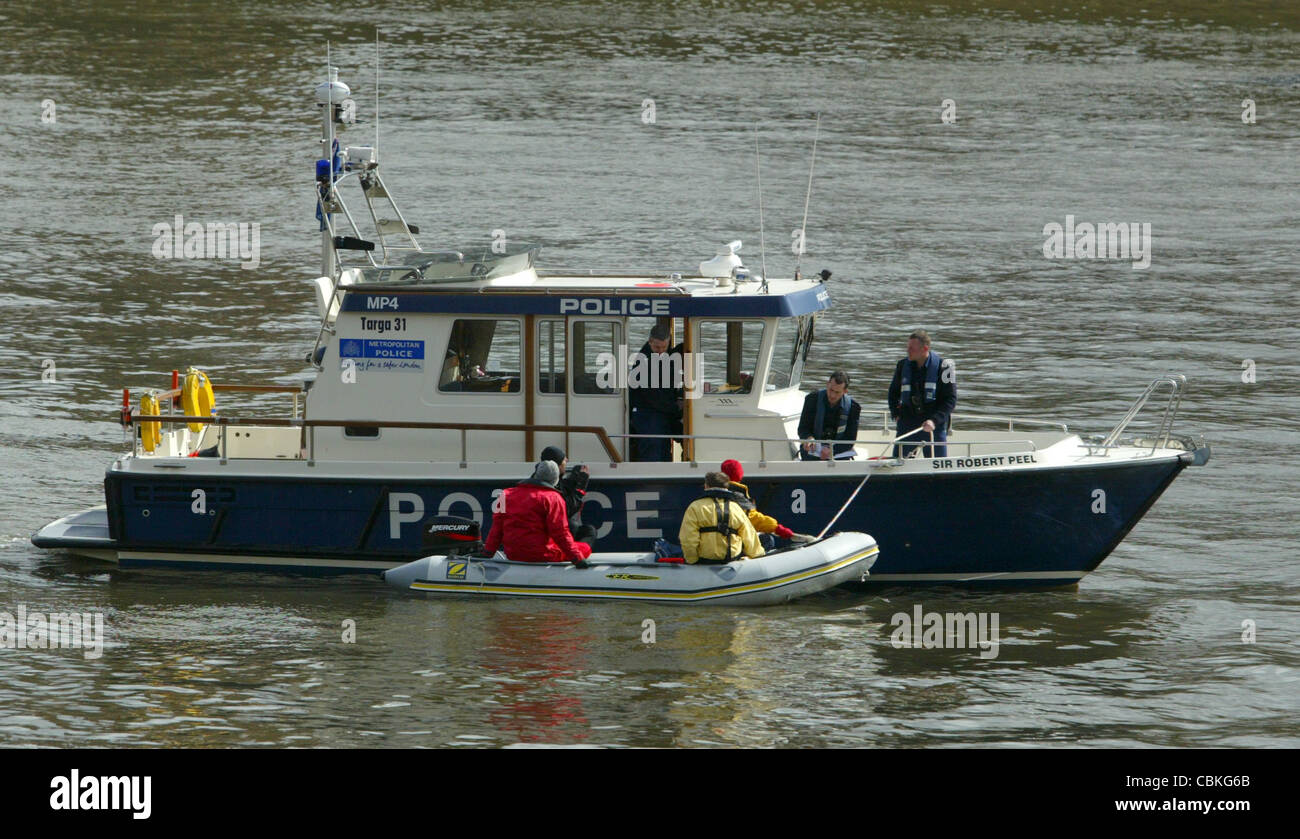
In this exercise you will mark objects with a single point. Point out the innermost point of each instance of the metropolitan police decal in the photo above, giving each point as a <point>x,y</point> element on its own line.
<point>385,355</point>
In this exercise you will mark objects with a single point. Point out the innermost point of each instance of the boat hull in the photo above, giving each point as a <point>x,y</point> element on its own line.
<point>1025,527</point>
<point>765,581</point>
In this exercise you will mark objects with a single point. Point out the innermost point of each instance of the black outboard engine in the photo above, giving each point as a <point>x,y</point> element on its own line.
<point>450,536</point>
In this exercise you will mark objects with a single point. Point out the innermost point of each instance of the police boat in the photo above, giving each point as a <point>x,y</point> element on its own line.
<point>776,577</point>
<point>438,375</point>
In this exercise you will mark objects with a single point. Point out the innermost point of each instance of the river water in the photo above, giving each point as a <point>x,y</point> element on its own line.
<point>534,120</point>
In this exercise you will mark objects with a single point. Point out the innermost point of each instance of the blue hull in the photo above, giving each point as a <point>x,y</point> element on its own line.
<point>1028,527</point>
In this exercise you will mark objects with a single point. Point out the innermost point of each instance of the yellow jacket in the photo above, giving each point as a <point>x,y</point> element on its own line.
<point>762,523</point>
<point>703,512</point>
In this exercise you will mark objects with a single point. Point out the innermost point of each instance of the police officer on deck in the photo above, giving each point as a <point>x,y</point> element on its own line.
<point>922,395</point>
<point>829,414</point>
<point>656,410</point>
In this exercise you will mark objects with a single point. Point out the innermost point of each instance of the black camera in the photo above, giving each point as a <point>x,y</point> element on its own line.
<point>576,478</point>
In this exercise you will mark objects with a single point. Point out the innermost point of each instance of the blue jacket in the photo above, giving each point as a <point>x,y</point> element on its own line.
<point>661,399</point>
<point>939,396</point>
<point>815,410</point>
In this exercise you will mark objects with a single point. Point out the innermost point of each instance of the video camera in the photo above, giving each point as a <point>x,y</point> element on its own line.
<point>576,478</point>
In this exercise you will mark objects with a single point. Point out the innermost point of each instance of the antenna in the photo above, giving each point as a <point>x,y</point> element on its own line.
<point>376,94</point>
<point>329,257</point>
<point>329,114</point>
<point>803,231</point>
<point>762,249</point>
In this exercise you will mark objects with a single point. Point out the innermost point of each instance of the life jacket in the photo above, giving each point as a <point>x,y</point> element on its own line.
<point>740,494</point>
<point>722,501</point>
<point>931,379</point>
<point>842,427</point>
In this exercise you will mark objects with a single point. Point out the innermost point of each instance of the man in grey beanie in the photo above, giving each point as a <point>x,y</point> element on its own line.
<point>529,521</point>
<point>546,473</point>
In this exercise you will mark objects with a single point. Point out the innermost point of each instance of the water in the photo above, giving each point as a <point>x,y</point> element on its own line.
<point>532,123</point>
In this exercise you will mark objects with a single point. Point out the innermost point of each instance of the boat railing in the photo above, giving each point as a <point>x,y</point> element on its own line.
<point>788,446</point>
<point>172,397</point>
<point>1177,384</point>
<point>309,427</point>
<point>1012,421</point>
<point>792,444</point>
<point>886,422</point>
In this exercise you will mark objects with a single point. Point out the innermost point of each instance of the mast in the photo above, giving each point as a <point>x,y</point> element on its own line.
<point>329,96</point>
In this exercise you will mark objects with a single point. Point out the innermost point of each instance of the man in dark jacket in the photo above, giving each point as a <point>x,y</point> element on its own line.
<point>829,414</point>
<point>656,397</point>
<point>922,395</point>
<point>573,489</point>
<point>528,522</point>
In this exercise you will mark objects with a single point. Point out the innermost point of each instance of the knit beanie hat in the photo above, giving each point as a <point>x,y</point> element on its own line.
<point>733,470</point>
<point>547,472</point>
<point>554,454</point>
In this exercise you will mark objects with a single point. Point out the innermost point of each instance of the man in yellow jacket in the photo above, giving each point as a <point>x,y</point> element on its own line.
<point>715,528</point>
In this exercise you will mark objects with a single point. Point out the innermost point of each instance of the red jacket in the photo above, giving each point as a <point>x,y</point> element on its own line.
<point>534,527</point>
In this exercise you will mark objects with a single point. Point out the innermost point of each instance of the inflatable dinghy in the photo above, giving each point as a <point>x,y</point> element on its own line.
<point>777,577</point>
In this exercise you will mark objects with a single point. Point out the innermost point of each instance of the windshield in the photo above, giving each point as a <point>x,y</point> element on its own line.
<point>476,263</point>
<point>788,352</point>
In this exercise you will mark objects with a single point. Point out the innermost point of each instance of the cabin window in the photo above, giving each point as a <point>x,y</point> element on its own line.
<point>788,351</point>
<point>638,332</point>
<point>595,355</point>
<point>727,355</point>
<point>482,357</point>
<point>550,357</point>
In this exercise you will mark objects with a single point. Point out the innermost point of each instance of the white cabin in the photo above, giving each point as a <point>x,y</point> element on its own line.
<point>549,354</point>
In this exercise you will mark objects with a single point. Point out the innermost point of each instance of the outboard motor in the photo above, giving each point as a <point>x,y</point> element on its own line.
<point>450,535</point>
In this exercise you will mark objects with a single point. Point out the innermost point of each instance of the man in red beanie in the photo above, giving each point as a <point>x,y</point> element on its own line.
<point>763,524</point>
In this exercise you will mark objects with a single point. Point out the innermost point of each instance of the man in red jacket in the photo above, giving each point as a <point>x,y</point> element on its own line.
<point>532,522</point>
